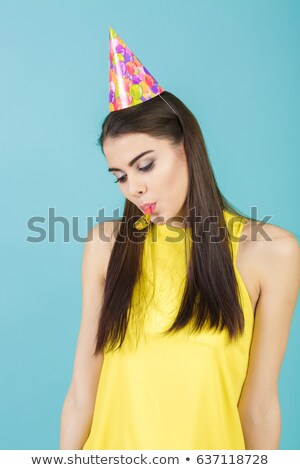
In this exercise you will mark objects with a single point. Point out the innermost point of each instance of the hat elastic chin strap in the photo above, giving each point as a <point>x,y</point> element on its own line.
<point>169,105</point>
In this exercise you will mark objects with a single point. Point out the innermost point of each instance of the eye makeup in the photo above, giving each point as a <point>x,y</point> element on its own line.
<point>148,167</point>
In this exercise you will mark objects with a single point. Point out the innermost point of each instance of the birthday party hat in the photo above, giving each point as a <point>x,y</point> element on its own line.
<point>130,83</point>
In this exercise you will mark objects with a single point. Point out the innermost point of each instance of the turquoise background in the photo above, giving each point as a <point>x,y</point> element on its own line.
<point>235,64</point>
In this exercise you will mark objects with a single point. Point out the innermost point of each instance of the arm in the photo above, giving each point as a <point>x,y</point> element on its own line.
<point>78,407</point>
<point>278,264</point>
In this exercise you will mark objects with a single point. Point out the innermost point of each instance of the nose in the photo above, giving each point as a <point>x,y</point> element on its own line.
<point>136,187</point>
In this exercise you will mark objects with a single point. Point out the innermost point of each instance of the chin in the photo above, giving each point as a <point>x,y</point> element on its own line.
<point>157,219</point>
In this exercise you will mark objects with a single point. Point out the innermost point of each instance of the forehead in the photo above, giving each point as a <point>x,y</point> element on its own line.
<point>128,145</point>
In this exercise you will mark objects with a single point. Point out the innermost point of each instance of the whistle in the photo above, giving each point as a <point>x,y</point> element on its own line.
<point>144,220</point>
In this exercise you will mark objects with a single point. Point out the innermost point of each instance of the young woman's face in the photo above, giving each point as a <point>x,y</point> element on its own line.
<point>159,176</point>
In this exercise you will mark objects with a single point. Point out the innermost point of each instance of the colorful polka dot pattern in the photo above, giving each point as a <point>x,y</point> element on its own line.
<point>130,83</point>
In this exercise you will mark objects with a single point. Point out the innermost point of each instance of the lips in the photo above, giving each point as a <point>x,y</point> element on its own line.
<point>151,205</point>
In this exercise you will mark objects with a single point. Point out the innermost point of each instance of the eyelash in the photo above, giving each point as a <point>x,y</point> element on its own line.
<point>145,168</point>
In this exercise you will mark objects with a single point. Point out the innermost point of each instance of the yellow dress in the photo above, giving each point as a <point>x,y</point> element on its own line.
<point>177,391</point>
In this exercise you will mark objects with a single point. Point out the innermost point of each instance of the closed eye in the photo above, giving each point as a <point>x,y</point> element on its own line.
<point>122,179</point>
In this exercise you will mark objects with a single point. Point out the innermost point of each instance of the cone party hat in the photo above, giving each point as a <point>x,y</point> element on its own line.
<point>130,83</point>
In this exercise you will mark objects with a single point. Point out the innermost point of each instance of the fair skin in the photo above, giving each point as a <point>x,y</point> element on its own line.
<point>169,170</point>
<point>269,267</point>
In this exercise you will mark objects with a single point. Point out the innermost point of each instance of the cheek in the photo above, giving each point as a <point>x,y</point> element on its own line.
<point>168,175</point>
<point>170,180</point>
<point>180,178</point>
<point>185,178</point>
<point>180,186</point>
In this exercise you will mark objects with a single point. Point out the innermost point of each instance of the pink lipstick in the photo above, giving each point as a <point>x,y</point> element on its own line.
<point>146,206</point>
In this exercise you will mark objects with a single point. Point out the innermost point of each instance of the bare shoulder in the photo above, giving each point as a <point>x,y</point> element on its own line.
<point>99,244</point>
<point>274,255</point>
<point>263,232</point>
<point>104,232</point>
<point>271,246</point>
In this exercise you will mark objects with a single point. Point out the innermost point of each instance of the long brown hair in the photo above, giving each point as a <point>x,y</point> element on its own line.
<point>210,270</point>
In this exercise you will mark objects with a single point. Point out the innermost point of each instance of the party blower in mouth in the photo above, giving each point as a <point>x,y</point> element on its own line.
<point>144,220</point>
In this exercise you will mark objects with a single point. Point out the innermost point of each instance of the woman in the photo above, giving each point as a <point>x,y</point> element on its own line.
<point>225,287</point>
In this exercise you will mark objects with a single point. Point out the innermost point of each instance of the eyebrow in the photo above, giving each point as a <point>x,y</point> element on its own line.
<point>132,162</point>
